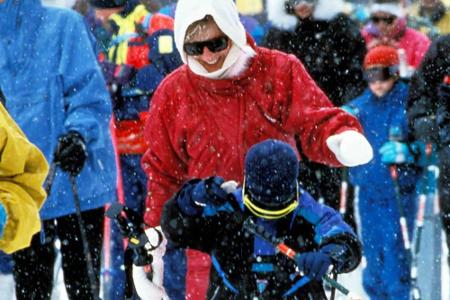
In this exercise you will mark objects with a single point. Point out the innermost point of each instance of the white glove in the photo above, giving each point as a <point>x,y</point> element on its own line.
<point>351,148</point>
<point>146,289</point>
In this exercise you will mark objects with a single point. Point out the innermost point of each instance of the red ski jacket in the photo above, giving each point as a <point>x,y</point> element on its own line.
<point>137,54</point>
<point>198,127</point>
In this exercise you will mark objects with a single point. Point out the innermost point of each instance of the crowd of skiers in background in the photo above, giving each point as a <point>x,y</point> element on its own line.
<point>142,102</point>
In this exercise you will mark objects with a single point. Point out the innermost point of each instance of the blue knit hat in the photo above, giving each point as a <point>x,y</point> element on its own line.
<point>271,171</point>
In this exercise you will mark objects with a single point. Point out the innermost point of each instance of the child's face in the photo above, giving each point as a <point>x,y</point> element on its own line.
<point>381,87</point>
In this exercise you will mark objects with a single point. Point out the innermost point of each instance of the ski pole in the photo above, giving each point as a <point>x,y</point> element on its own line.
<point>415,289</point>
<point>50,178</point>
<point>259,231</point>
<point>403,224</point>
<point>343,193</point>
<point>84,240</point>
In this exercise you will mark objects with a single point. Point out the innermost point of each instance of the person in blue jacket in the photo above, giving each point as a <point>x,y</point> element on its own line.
<point>208,215</point>
<point>58,96</point>
<point>381,111</point>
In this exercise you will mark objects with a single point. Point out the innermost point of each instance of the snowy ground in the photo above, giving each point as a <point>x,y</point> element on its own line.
<point>350,281</point>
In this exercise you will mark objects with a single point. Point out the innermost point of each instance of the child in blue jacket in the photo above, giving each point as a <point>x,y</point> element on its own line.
<point>381,111</point>
<point>207,215</point>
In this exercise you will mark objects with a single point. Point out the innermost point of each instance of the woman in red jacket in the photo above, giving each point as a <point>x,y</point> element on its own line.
<point>228,96</point>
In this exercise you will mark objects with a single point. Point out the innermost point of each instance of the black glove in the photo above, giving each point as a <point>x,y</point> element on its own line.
<point>71,153</point>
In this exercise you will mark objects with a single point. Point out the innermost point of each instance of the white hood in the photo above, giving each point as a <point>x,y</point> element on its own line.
<point>226,16</point>
<point>393,8</point>
<point>325,10</point>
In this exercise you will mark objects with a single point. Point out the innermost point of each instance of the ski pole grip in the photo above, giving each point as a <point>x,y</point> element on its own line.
<point>286,251</point>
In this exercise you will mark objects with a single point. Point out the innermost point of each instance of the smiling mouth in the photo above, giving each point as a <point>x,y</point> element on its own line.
<point>212,62</point>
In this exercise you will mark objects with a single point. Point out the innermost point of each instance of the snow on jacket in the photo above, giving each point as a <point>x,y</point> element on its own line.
<point>53,84</point>
<point>199,127</point>
<point>22,172</point>
<point>330,46</point>
<point>412,41</point>
<point>245,260</point>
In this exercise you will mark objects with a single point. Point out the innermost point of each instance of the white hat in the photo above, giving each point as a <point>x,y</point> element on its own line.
<point>388,6</point>
<point>224,13</point>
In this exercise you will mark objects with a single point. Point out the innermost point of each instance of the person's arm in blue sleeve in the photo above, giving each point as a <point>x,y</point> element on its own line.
<point>335,238</point>
<point>85,94</point>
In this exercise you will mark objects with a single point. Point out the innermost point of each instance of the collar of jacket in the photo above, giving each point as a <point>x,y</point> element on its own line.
<point>229,85</point>
<point>15,13</point>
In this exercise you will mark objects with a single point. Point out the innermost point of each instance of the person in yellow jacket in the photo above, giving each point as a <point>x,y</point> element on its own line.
<point>23,169</point>
<point>431,17</point>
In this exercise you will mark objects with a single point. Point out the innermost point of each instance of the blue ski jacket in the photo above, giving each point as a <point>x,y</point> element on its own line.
<point>53,84</point>
<point>246,266</point>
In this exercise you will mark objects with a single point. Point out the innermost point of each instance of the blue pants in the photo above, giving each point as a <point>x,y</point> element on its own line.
<point>387,275</point>
<point>135,189</point>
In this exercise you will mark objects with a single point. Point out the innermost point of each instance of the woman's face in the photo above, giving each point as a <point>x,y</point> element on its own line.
<point>385,22</point>
<point>211,60</point>
<point>304,10</point>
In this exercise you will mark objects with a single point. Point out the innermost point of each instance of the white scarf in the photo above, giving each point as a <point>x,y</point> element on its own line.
<point>225,14</point>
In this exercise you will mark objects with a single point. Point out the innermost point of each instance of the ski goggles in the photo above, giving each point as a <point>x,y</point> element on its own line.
<point>386,20</point>
<point>214,45</point>
<point>268,211</point>
<point>380,73</point>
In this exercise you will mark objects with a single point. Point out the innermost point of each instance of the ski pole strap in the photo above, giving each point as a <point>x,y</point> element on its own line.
<point>222,274</point>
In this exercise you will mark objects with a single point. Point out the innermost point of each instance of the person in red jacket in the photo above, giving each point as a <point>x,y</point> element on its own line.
<point>229,95</point>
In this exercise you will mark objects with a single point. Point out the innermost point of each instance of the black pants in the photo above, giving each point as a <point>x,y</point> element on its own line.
<point>33,270</point>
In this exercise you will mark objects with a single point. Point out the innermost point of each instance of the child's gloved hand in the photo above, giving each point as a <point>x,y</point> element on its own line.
<point>313,264</point>
<point>394,152</point>
<point>203,193</point>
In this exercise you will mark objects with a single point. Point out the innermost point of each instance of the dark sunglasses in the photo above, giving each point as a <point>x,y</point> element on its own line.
<point>380,73</point>
<point>387,20</point>
<point>214,45</point>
